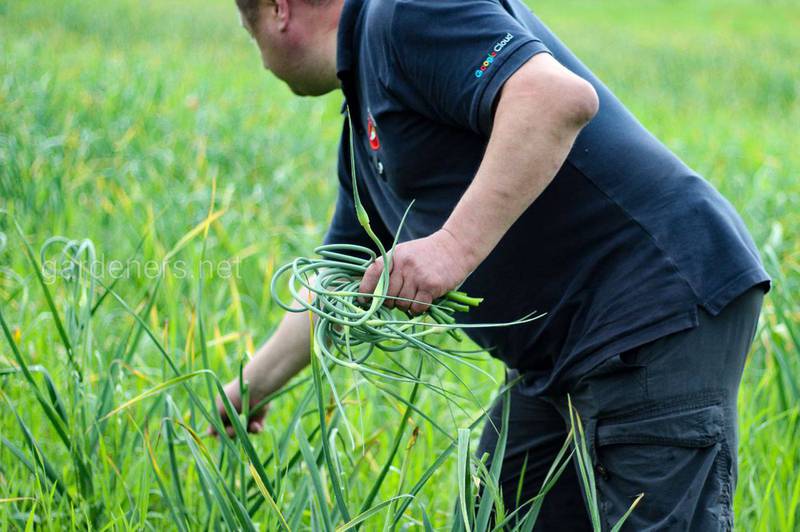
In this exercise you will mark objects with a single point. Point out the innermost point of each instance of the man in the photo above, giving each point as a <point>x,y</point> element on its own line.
<point>537,188</point>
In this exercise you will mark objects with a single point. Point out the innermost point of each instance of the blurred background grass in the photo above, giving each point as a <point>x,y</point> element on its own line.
<point>116,117</point>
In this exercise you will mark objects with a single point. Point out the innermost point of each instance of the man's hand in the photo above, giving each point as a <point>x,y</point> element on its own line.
<point>423,270</point>
<point>255,423</point>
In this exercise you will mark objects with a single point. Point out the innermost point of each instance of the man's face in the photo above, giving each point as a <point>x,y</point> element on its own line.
<point>285,50</point>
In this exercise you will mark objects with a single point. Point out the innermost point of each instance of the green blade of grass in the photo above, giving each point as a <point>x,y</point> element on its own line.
<point>464,477</point>
<point>485,507</point>
<point>363,516</point>
<point>491,491</point>
<point>338,403</point>
<point>426,522</point>
<point>316,477</point>
<point>39,458</point>
<point>134,335</point>
<point>521,483</point>
<point>401,483</point>
<point>103,296</point>
<point>172,412</point>
<point>560,463</point>
<point>267,497</point>
<point>401,428</point>
<point>283,391</point>
<point>51,412</point>
<point>49,300</point>
<point>297,506</point>
<point>242,437</point>
<point>176,512</point>
<point>208,480</point>
<point>155,390</point>
<point>618,526</point>
<point>19,455</point>
<point>52,392</point>
<point>411,406</point>
<point>213,420</point>
<point>584,460</point>
<point>442,458</point>
<point>233,506</point>
<point>326,451</point>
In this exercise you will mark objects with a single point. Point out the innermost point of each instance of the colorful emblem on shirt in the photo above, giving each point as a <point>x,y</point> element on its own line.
<point>490,57</point>
<point>372,133</point>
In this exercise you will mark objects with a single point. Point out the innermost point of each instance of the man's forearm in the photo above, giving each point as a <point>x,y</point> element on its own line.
<point>281,357</point>
<point>541,110</point>
<point>530,141</point>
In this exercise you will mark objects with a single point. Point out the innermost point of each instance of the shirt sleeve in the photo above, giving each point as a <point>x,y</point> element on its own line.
<point>453,56</point>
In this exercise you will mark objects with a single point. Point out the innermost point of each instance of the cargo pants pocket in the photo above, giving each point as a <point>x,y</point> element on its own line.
<point>677,456</point>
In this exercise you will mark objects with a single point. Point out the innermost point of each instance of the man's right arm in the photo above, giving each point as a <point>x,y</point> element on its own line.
<point>279,359</point>
<point>286,353</point>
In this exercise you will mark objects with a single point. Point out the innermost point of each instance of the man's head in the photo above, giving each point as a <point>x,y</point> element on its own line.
<point>297,40</point>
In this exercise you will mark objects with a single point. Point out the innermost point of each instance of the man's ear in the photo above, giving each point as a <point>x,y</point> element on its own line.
<point>282,13</point>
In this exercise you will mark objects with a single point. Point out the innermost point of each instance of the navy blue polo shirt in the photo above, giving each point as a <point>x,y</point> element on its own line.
<point>623,247</point>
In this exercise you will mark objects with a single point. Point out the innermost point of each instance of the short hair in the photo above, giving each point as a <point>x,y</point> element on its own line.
<point>249,8</point>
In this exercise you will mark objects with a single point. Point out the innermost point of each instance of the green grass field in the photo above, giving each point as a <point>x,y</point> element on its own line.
<point>150,130</point>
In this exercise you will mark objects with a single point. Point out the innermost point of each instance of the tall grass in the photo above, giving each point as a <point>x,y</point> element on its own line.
<point>234,480</point>
<point>118,118</point>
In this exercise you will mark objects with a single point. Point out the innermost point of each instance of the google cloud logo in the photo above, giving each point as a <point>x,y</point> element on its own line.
<point>490,58</point>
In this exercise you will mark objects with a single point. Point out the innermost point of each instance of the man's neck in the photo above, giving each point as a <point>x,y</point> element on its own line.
<point>327,18</point>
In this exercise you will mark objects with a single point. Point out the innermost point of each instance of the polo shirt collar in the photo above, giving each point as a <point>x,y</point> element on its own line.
<point>346,37</point>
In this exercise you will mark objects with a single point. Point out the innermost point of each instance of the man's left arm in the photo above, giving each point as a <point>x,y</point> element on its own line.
<point>539,113</point>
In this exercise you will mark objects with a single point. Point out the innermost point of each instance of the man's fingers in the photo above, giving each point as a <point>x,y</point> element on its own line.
<point>423,301</point>
<point>212,431</point>
<point>370,279</point>
<point>255,421</point>
<point>408,291</point>
<point>395,286</point>
<point>254,425</point>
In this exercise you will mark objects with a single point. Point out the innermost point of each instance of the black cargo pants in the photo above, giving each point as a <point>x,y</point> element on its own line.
<point>659,419</point>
